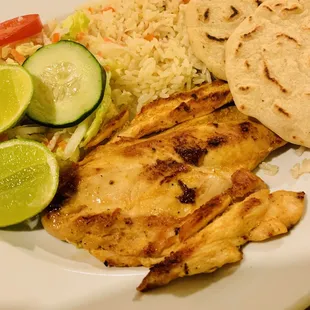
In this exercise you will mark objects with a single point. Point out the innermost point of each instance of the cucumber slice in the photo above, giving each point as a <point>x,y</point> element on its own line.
<point>69,84</point>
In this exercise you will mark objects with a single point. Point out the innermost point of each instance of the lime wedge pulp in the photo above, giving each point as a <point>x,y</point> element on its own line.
<point>16,90</point>
<point>29,176</point>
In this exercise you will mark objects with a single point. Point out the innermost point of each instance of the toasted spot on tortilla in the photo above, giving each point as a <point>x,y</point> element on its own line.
<point>281,110</point>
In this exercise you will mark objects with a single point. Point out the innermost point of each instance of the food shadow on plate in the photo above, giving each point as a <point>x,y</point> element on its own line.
<point>24,227</point>
<point>278,153</point>
<point>179,288</point>
<point>187,286</point>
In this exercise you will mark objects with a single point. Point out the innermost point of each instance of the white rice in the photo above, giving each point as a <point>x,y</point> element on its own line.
<point>269,169</point>
<point>143,70</point>
<point>301,168</point>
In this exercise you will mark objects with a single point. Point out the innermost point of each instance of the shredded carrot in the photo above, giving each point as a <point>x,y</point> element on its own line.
<point>149,37</point>
<point>107,68</point>
<point>18,57</point>
<point>186,1</point>
<point>62,144</point>
<point>80,36</point>
<point>45,142</point>
<point>108,8</point>
<point>91,10</point>
<point>56,37</point>
<point>4,137</point>
<point>108,40</point>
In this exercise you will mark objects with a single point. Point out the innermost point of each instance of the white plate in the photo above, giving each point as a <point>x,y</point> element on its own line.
<point>40,272</point>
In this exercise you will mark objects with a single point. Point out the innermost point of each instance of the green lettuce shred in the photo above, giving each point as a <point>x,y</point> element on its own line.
<point>63,160</point>
<point>75,23</point>
<point>100,113</point>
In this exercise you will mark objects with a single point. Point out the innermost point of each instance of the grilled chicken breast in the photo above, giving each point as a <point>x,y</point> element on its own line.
<point>126,199</point>
<point>173,190</point>
<point>162,114</point>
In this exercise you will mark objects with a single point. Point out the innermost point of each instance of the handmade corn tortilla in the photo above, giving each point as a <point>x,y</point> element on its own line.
<point>268,68</point>
<point>209,25</point>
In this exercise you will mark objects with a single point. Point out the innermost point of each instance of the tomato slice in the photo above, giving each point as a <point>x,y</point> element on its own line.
<point>20,28</point>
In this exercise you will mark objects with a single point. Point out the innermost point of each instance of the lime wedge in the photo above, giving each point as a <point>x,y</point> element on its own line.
<point>29,177</point>
<point>16,90</point>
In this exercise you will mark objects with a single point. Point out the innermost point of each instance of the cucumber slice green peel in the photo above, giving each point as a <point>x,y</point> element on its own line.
<point>69,84</point>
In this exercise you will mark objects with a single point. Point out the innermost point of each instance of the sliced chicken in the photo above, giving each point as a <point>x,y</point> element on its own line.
<point>125,200</point>
<point>259,217</point>
<point>166,113</point>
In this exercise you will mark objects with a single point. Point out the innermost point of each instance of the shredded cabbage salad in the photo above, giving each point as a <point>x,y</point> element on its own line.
<point>69,143</point>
